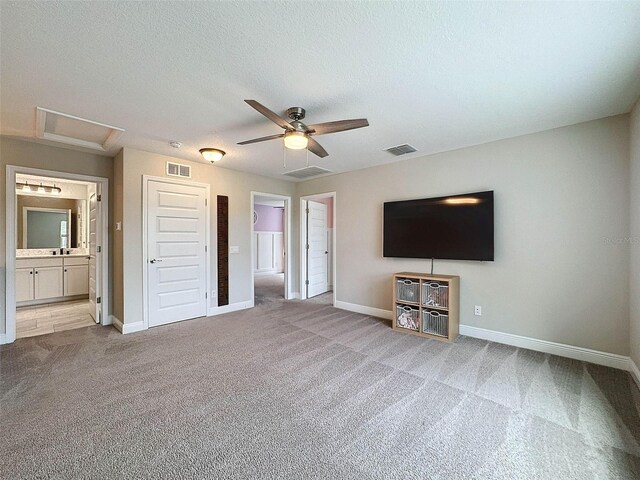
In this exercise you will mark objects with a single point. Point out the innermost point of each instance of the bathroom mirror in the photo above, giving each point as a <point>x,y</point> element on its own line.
<point>46,228</point>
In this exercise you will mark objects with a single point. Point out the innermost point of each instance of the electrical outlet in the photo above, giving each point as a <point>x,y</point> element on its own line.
<point>477,310</point>
<point>213,294</point>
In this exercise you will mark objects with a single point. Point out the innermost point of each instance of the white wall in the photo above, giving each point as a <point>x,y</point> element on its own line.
<point>560,195</point>
<point>236,185</point>
<point>635,235</point>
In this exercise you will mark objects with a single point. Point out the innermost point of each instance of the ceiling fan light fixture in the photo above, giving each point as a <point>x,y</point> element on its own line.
<point>212,154</point>
<point>295,140</point>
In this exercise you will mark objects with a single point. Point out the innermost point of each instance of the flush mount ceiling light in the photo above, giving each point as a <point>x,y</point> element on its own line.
<point>25,187</point>
<point>212,154</point>
<point>296,140</point>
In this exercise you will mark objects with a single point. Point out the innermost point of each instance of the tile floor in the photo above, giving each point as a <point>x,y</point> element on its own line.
<point>52,317</point>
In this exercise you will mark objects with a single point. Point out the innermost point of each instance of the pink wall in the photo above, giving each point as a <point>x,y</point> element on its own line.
<point>329,203</point>
<point>270,219</point>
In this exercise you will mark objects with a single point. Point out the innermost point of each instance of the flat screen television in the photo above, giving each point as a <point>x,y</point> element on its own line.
<point>458,227</point>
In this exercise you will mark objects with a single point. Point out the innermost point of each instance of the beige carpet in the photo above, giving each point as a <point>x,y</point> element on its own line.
<point>303,390</point>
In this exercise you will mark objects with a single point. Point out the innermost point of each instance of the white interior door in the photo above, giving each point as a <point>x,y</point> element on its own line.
<point>316,248</point>
<point>94,306</point>
<point>264,243</point>
<point>176,242</point>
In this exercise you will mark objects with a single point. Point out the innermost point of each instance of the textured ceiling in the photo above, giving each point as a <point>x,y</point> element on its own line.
<point>439,76</point>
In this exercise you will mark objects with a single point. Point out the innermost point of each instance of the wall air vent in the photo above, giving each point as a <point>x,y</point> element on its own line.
<point>401,149</point>
<point>178,170</point>
<point>64,128</point>
<point>307,172</point>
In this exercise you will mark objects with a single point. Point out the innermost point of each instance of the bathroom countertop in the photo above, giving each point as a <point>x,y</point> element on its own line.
<point>71,255</point>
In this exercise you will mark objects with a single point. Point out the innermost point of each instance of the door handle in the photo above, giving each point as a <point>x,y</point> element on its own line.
<point>155,260</point>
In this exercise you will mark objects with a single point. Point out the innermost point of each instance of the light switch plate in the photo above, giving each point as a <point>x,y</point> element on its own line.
<point>234,249</point>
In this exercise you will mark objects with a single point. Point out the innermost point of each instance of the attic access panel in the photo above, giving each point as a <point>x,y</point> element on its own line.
<point>71,130</point>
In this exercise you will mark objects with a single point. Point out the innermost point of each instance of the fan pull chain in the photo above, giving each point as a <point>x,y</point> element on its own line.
<point>307,156</point>
<point>284,156</point>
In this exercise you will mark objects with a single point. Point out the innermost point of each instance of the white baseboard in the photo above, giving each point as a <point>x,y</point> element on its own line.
<point>126,328</point>
<point>562,350</point>
<point>233,307</point>
<point>354,307</point>
<point>577,353</point>
<point>634,371</point>
<point>4,338</point>
<point>294,295</point>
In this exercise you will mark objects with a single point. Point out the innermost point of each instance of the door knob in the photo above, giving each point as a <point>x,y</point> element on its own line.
<point>155,260</point>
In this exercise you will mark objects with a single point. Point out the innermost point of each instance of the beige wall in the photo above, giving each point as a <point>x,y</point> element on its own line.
<point>635,235</point>
<point>35,155</point>
<point>559,195</point>
<point>236,185</point>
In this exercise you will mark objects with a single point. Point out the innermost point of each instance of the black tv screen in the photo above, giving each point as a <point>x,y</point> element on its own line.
<point>458,227</point>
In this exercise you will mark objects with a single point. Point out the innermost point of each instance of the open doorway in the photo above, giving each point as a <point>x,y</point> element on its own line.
<point>56,252</point>
<point>317,247</point>
<point>270,241</point>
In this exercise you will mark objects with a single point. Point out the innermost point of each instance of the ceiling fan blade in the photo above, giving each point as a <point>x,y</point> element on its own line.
<point>338,126</point>
<point>261,139</point>
<point>274,117</point>
<point>315,148</point>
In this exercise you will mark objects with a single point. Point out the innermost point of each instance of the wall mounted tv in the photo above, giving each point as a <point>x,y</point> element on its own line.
<point>458,227</point>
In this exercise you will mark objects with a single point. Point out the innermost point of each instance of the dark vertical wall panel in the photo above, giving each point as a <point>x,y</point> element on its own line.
<point>223,250</point>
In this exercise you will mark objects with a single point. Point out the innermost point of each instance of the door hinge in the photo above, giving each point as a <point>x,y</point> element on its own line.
<point>99,198</point>
<point>206,295</point>
<point>205,202</point>
<point>306,282</point>
<point>205,249</point>
<point>307,210</point>
<point>307,246</point>
<point>99,300</point>
<point>98,249</point>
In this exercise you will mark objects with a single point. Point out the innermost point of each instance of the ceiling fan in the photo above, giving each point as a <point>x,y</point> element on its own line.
<point>297,135</point>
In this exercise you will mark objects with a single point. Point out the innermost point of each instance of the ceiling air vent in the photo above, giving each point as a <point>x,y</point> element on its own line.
<point>307,172</point>
<point>178,170</point>
<point>401,149</point>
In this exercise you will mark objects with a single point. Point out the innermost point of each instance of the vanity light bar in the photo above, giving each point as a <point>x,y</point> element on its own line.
<point>25,187</point>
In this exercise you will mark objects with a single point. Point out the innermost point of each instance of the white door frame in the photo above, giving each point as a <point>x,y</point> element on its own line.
<point>9,335</point>
<point>145,210</point>
<point>303,239</point>
<point>288,294</point>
